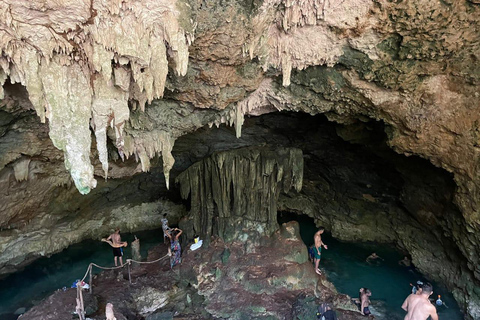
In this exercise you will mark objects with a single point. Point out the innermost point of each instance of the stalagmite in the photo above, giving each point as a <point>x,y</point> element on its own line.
<point>239,186</point>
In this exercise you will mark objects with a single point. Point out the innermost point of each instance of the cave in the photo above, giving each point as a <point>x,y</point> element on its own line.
<point>353,184</point>
<point>360,115</point>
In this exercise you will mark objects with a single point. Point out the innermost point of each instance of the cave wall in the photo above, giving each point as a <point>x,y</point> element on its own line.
<point>89,69</point>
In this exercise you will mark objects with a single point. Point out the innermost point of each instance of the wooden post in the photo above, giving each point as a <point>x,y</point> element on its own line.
<point>91,283</point>
<point>81,304</point>
<point>79,308</point>
<point>129,275</point>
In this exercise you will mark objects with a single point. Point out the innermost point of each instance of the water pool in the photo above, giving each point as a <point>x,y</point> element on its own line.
<point>38,280</point>
<point>345,266</point>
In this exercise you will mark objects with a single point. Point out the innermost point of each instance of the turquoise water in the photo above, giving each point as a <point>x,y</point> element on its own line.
<point>41,278</point>
<point>344,265</point>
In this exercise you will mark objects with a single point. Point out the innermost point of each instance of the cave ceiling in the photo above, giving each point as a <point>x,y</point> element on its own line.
<point>95,92</point>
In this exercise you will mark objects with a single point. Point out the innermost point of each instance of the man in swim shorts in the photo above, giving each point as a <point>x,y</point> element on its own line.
<point>117,245</point>
<point>365,301</point>
<point>317,250</point>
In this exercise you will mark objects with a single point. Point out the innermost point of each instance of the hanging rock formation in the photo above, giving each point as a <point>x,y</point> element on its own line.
<point>82,60</point>
<point>120,81</point>
<point>239,189</point>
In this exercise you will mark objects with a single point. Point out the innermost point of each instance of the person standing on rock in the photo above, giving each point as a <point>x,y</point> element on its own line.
<point>116,242</point>
<point>317,251</point>
<point>418,306</point>
<point>166,230</point>
<point>365,301</point>
<point>176,257</point>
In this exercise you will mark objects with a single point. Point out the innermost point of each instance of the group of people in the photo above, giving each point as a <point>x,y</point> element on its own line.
<point>417,305</point>
<point>172,234</point>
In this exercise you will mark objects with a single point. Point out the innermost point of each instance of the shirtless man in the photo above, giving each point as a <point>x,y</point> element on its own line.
<point>418,306</point>
<point>365,301</point>
<point>116,242</point>
<point>317,251</point>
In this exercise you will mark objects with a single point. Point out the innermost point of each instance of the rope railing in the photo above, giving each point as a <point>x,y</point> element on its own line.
<point>80,309</point>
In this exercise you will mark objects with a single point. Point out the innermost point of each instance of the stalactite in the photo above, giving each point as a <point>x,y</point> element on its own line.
<point>238,186</point>
<point>298,34</point>
<point>86,37</point>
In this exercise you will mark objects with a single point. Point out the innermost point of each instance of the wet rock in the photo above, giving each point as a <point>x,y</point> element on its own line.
<point>20,311</point>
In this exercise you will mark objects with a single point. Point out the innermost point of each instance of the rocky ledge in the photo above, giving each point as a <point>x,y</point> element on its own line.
<point>273,281</point>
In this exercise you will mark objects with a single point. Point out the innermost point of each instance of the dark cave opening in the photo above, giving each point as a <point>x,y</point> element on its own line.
<point>306,223</point>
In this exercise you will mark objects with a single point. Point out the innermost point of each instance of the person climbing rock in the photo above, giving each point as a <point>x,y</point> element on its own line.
<point>116,242</point>
<point>373,258</point>
<point>166,229</point>
<point>176,250</point>
<point>317,252</point>
<point>365,301</point>
<point>417,288</point>
<point>418,306</point>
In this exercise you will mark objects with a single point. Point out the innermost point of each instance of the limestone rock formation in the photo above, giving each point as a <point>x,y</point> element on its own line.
<point>210,285</point>
<point>239,189</point>
<point>82,60</point>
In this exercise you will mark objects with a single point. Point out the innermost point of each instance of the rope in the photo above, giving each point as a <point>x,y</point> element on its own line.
<point>107,268</point>
<point>147,262</point>
<point>114,268</point>
<point>86,273</point>
<point>80,306</point>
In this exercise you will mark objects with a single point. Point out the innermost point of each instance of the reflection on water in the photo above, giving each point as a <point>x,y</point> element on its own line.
<point>344,265</point>
<point>24,289</point>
